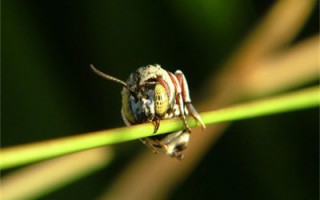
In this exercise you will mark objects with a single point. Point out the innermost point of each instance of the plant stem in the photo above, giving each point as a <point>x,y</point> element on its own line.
<point>23,154</point>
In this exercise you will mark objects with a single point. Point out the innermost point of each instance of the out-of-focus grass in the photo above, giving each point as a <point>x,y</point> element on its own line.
<point>40,179</point>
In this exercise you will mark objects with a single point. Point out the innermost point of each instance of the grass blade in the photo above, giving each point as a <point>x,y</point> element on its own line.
<point>19,155</point>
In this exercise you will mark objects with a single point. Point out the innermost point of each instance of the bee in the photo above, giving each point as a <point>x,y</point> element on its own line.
<point>151,94</point>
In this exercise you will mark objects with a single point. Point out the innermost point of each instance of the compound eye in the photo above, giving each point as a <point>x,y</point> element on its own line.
<point>126,106</point>
<point>161,99</point>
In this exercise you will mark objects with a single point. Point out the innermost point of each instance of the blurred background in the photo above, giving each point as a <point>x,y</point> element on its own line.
<point>48,90</point>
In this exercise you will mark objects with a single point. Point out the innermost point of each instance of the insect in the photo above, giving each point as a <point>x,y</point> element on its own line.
<point>151,94</point>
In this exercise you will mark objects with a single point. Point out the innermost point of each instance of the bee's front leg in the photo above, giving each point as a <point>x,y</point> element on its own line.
<point>186,97</point>
<point>179,99</point>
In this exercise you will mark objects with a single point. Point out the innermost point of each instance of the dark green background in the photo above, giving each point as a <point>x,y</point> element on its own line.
<point>48,90</point>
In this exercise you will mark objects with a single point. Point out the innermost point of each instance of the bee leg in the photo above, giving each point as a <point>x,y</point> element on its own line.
<point>179,99</point>
<point>156,123</point>
<point>149,145</point>
<point>162,145</point>
<point>186,97</point>
<point>193,112</point>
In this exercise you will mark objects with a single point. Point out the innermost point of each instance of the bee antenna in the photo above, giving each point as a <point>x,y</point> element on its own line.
<point>111,78</point>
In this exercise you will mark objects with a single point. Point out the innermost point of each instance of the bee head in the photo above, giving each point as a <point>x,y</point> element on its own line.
<point>140,102</point>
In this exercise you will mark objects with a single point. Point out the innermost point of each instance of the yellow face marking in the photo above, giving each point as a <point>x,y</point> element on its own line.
<point>161,99</point>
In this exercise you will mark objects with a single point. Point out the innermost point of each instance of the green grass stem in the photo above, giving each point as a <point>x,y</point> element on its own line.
<point>24,154</point>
